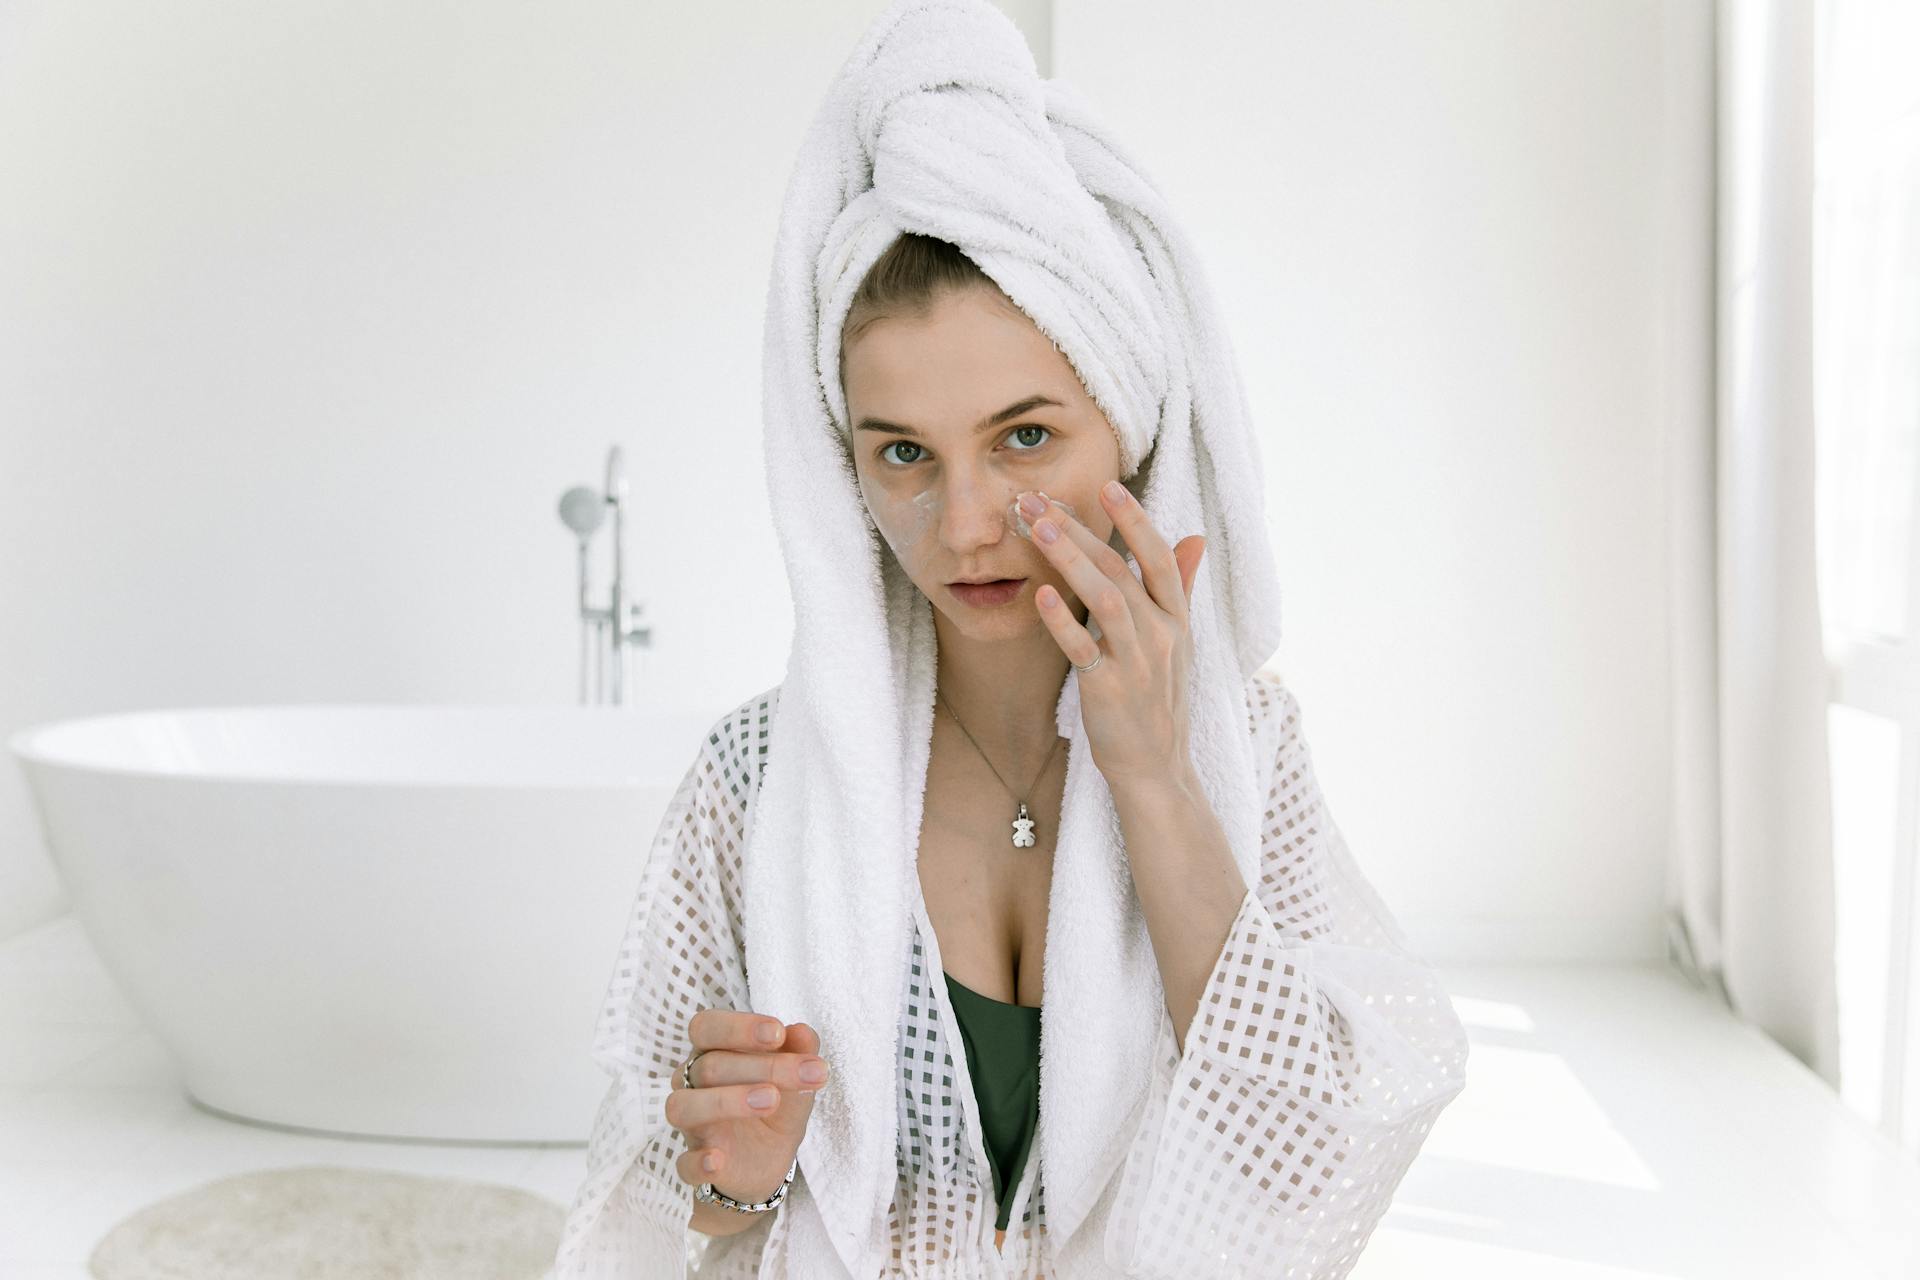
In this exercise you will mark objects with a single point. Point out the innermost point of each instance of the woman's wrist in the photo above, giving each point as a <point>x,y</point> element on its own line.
<point>759,1194</point>
<point>714,1219</point>
<point>751,1205</point>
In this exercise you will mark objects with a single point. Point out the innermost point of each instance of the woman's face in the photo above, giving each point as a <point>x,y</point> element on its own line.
<point>954,415</point>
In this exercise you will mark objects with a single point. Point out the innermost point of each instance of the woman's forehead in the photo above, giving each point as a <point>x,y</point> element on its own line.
<point>950,369</point>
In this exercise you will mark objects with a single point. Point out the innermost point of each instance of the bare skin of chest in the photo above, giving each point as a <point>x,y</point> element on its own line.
<point>985,897</point>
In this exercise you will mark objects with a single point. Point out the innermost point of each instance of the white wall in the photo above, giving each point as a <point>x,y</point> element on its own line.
<point>309,313</point>
<point>1452,239</point>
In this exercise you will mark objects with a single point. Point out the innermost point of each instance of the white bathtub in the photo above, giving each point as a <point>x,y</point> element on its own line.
<point>392,921</point>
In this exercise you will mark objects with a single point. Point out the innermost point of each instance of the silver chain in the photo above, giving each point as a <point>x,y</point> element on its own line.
<point>1021,800</point>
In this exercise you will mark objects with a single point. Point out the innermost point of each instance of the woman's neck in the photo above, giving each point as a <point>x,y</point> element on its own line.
<point>1003,691</point>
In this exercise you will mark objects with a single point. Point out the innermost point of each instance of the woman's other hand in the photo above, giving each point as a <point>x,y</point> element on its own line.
<point>742,1147</point>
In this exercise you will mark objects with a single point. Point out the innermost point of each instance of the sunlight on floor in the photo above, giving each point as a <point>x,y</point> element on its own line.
<point>1619,1124</point>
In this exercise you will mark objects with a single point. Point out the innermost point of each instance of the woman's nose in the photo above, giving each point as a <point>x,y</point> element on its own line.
<point>975,516</point>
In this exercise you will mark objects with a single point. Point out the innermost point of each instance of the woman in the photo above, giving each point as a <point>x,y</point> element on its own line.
<point>1062,965</point>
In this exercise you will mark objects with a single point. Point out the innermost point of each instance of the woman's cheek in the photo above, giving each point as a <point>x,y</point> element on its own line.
<point>906,522</point>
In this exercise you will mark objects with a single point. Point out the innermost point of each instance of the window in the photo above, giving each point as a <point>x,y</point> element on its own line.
<point>1866,297</point>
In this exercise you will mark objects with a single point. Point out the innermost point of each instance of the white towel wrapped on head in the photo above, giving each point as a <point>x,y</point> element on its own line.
<point>939,124</point>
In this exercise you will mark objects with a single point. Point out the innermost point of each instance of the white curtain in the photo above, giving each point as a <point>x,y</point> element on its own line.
<point>1753,908</point>
<point>1867,414</point>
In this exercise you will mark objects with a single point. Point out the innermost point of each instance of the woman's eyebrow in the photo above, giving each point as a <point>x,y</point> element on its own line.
<point>1013,410</point>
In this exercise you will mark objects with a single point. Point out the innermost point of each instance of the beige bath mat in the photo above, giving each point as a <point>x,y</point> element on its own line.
<point>335,1224</point>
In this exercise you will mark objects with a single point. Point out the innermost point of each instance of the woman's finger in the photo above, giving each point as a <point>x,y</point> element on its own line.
<point>787,1070</point>
<point>1158,568</point>
<point>689,1109</point>
<point>737,1029</point>
<point>1102,557</point>
<point>1074,640</point>
<point>1187,556</point>
<point>693,1163</point>
<point>1105,596</point>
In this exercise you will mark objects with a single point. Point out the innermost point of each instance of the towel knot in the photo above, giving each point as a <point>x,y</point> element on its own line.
<point>956,129</point>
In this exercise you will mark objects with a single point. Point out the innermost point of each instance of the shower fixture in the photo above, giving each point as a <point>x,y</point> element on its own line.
<point>607,638</point>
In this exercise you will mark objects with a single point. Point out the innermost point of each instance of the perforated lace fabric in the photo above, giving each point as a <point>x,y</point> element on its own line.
<point>1275,1136</point>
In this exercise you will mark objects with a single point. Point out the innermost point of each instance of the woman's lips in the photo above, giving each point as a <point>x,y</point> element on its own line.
<point>984,595</point>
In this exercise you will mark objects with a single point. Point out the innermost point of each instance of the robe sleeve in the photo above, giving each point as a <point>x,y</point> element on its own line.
<point>1320,1055</point>
<point>681,951</point>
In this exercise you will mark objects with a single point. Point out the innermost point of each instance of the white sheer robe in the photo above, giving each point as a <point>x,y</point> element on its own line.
<point>1319,1057</point>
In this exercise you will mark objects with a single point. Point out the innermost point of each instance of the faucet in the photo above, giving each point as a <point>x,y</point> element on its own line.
<point>606,636</point>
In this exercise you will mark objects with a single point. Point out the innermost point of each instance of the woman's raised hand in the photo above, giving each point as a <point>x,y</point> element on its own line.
<point>1135,707</point>
<point>742,1147</point>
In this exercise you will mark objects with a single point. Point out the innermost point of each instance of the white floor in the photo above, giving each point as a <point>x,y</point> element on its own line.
<point>1620,1125</point>
<point>94,1123</point>
<point>1617,1125</point>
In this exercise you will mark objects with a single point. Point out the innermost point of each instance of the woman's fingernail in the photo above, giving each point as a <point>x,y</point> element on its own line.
<point>1116,492</point>
<point>1033,504</point>
<point>1046,531</point>
<point>813,1071</point>
<point>761,1097</point>
<point>768,1033</point>
<point>710,1162</point>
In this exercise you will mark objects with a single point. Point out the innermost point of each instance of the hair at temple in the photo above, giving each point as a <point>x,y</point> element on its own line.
<point>914,271</point>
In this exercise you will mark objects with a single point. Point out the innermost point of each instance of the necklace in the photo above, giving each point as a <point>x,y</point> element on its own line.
<point>1022,821</point>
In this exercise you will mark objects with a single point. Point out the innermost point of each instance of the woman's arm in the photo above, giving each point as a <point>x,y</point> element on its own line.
<point>1319,1053</point>
<point>1190,888</point>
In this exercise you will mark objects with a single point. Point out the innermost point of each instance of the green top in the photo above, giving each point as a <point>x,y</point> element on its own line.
<point>1003,1057</point>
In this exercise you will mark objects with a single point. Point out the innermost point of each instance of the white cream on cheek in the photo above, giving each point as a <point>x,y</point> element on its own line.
<point>911,523</point>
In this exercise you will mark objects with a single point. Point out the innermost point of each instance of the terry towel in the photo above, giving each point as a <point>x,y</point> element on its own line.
<point>938,123</point>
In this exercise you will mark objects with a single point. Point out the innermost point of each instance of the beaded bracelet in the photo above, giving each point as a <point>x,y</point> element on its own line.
<point>705,1193</point>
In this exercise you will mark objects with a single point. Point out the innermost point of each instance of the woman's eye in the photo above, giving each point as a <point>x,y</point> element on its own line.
<point>1028,446</point>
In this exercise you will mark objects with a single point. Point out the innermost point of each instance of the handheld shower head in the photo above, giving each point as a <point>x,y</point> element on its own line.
<point>583,511</point>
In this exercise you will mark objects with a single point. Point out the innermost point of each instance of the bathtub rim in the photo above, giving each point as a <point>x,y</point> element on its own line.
<point>23,744</point>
